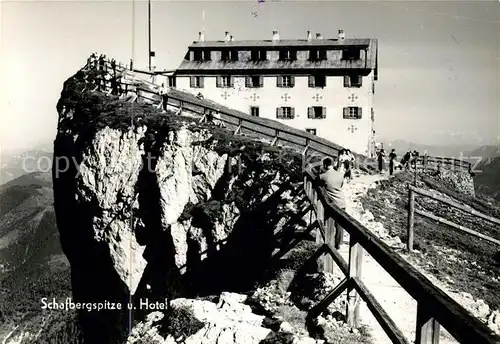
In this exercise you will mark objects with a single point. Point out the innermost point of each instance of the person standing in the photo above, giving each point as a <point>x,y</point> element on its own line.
<point>333,180</point>
<point>392,159</point>
<point>164,96</point>
<point>380,158</point>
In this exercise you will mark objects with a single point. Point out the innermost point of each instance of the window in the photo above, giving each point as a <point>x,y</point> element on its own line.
<point>285,112</point>
<point>172,81</point>
<point>229,55</point>
<point>254,111</point>
<point>202,55</point>
<point>254,81</point>
<point>224,81</point>
<point>373,115</point>
<point>316,112</point>
<point>351,54</point>
<point>287,55</point>
<point>259,55</point>
<point>353,81</point>
<point>196,82</point>
<point>352,112</point>
<point>311,131</point>
<point>285,81</point>
<point>317,54</point>
<point>317,80</point>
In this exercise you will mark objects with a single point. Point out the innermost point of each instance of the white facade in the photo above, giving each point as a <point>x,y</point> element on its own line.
<point>355,134</point>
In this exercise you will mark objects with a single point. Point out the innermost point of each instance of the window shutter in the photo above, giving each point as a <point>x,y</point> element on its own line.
<point>218,81</point>
<point>278,112</point>
<point>347,80</point>
<point>261,81</point>
<point>191,81</point>
<point>292,81</point>
<point>292,112</point>
<point>248,81</point>
<point>279,81</point>
<point>202,82</point>
<point>311,81</point>
<point>310,112</point>
<point>360,79</point>
<point>346,112</point>
<point>323,114</point>
<point>231,81</point>
<point>360,112</point>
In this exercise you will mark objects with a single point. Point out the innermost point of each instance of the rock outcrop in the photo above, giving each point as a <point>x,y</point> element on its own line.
<point>156,206</point>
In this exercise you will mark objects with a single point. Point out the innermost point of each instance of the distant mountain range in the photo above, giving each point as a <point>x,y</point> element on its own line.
<point>16,165</point>
<point>402,146</point>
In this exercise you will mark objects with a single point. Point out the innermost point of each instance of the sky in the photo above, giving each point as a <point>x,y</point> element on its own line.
<point>438,60</point>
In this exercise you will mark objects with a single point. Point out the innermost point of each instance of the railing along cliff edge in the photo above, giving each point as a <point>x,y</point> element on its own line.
<point>435,308</point>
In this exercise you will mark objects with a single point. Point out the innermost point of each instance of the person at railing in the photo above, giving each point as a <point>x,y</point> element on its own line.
<point>113,67</point>
<point>164,96</point>
<point>101,62</point>
<point>381,161</point>
<point>405,161</point>
<point>413,159</point>
<point>333,180</point>
<point>392,160</point>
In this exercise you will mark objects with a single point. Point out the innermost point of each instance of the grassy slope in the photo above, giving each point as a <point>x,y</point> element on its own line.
<point>475,267</point>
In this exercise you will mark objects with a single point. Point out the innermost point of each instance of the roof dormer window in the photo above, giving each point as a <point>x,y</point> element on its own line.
<point>229,55</point>
<point>259,55</point>
<point>202,55</point>
<point>288,55</point>
<point>317,54</point>
<point>351,54</point>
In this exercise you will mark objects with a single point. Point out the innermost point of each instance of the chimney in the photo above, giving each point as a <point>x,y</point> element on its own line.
<point>226,39</point>
<point>201,36</point>
<point>318,35</point>
<point>276,36</point>
<point>341,35</point>
<point>309,36</point>
<point>231,38</point>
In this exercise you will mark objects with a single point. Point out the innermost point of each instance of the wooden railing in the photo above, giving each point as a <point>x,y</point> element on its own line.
<point>412,191</point>
<point>434,309</point>
<point>427,162</point>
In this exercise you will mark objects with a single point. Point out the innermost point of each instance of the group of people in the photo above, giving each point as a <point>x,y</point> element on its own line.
<point>409,159</point>
<point>104,75</point>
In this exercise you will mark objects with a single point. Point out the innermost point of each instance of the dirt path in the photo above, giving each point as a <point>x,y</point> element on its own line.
<point>395,300</point>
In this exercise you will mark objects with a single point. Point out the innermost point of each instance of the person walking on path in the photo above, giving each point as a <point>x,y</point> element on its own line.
<point>164,97</point>
<point>333,180</point>
<point>392,159</point>
<point>381,162</point>
<point>348,164</point>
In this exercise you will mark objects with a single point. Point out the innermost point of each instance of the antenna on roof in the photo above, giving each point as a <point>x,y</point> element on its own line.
<point>203,20</point>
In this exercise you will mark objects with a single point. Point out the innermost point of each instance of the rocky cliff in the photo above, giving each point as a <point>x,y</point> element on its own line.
<point>154,206</point>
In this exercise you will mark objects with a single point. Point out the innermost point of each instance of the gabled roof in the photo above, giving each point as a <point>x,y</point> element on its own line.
<point>334,43</point>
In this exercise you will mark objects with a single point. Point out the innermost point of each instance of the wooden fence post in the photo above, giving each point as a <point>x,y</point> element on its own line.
<point>411,217</point>
<point>427,331</point>
<point>353,299</point>
<point>320,215</point>
<point>425,162</point>
<point>328,262</point>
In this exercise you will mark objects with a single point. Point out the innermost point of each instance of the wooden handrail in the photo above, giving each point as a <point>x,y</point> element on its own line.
<point>453,317</point>
<point>454,204</point>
